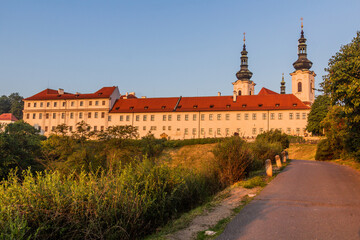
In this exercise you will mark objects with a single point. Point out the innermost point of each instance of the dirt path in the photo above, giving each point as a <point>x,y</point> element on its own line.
<point>210,218</point>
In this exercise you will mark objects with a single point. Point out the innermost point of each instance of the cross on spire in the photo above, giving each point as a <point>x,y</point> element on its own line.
<point>302,24</point>
<point>244,37</point>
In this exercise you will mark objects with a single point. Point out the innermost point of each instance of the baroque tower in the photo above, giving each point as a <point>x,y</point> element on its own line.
<point>303,80</point>
<point>244,86</point>
<point>282,87</point>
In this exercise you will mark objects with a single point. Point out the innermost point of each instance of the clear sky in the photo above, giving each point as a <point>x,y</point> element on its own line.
<point>164,48</point>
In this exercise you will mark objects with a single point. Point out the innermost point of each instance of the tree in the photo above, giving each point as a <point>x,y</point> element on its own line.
<point>4,104</point>
<point>318,112</point>
<point>12,104</point>
<point>343,85</point>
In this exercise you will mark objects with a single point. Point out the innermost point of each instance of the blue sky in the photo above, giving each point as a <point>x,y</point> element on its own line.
<point>164,48</point>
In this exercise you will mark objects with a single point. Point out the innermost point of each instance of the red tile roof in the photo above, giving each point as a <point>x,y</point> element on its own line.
<point>267,100</point>
<point>51,94</point>
<point>8,117</point>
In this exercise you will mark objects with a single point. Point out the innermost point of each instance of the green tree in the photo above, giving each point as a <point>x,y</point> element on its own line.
<point>17,105</point>
<point>318,112</point>
<point>5,104</point>
<point>343,85</point>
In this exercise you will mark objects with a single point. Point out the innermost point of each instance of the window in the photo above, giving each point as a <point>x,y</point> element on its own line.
<point>95,128</point>
<point>299,87</point>
<point>202,117</point>
<point>90,103</point>
<point>81,103</point>
<point>202,131</point>
<point>210,131</point>
<point>48,104</point>
<point>178,117</point>
<point>103,103</point>
<point>261,130</point>
<point>298,131</point>
<point>186,131</point>
<point>137,118</point>
<point>238,116</point>
<point>96,115</point>
<point>210,117</point>
<point>144,128</point>
<point>164,127</point>
<point>239,92</point>
<point>46,129</point>
<point>102,128</point>
<point>96,103</point>
<point>280,116</point>
<point>264,116</point>
<point>288,130</point>
<point>153,128</point>
<point>169,117</point>
<point>71,115</point>
<point>152,118</point>
<point>72,103</point>
<point>41,104</point>
<point>194,117</point>
<point>34,115</point>
<point>29,104</point>
<point>89,115</point>
<point>272,116</point>
<point>40,115</point>
<point>121,118</point>
<point>144,117</point>
<point>194,131</point>
<point>178,129</point>
<point>55,104</point>
<point>254,131</point>
<point>52,128</point>
<point>304,116</point>
<point>54,115</point>
<point>254,116</point>
<point>246,116</point>
<point>127,118</point>
<point>164,117</point>
<point>227,116</point>
<point>35,104</point>
<point>218,116</point>
<point>169,128</point>
<point>64,104</point>
<point>227,131</point>
<point>218,131</point>
<point>102,115</point>
<point>109,118</point>
<point>47,116</point>
<point>291,115</point>
<point>297,115</point>
<point>186,117</point>
<point>80,115</point>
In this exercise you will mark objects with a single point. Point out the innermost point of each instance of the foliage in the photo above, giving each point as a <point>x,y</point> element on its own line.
<point>185,142</point>
<point>124,204</point>
<point>264,150</point>
<point>318,112</point>
<point>12,104</point>
<point>119,132</point>
<point>19,147</point>
<point>233,156</point>
<point>324,151</point>
<point>275,136</point>
<point>343,85</point>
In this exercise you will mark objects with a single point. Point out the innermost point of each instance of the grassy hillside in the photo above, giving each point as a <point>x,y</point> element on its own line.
<point>302,151</point>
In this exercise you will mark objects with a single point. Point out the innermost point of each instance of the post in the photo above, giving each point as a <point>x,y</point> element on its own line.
<point>278,162</point>
<point>287,155</point>
<point>268,167</point>
<point>283,156</point>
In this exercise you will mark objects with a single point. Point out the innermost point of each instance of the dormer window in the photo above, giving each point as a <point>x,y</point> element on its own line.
<point>195,106</point>
<point>179,106</point>
<point>294,104</point>
<point>244,105</point>
<point>100,93</point>
<point>117,108</point>
<point>131,107</point>
<point>228,106</point>
<point>163,107</point>
<point>260,105</point>
<point>277,105</point>
<point>146,107</point>
<point>211,106</point>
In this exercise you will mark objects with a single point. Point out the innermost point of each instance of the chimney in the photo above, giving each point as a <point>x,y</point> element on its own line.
<point>61,91</point>
<point>127,94</point>
<point>219,93</point>
<point>234,96</point>
<point>143,96</point>
<point>132,93</point>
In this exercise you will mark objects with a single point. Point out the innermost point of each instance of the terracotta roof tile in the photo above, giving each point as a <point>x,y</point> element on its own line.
<point>144,105</point>
<point>8,116</point>
<point>265,91</point>
<point>51,94</point>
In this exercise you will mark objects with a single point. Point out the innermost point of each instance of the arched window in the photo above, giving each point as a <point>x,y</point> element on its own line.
<point>239,93</point>
<point>250,93</point>
<point>299,87</point>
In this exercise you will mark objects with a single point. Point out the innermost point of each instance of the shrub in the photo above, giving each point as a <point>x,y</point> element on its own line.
<point>232,157</point>
<point>275,136</point>
<point>324,151</point>
<point>263,150</point>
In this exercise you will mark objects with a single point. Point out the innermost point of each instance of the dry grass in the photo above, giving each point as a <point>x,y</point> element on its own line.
<point>302,151</point>
<point>192,156</point>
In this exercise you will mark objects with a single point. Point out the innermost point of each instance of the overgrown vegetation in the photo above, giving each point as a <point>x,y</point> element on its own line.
<point>113,187</point>
<point>12,104</point>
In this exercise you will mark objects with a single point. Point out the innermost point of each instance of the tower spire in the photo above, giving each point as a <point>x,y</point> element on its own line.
<point>282,87</point>
<point>302,62</point>
<point>244,74</point>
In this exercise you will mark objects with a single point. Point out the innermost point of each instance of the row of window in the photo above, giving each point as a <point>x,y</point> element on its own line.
<point>212,116</point>
<point>71,128</point>
<point>62,115</point>
<point>72,104</point>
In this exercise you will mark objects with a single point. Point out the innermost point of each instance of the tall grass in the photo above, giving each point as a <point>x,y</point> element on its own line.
<point>122,204</point>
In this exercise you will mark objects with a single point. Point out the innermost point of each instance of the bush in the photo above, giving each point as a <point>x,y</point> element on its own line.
<point>185,142</point>
<point>262,151</point>
<point>275,136</point>
<point>324,151</point>
<point>232,157</point>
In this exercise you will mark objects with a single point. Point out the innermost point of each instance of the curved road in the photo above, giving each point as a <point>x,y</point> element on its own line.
<point>308,200</point>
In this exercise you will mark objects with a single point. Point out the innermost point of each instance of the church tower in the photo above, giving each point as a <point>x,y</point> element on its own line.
<point>282,87</point>
<point>244,86</point>
<point>303,80</point>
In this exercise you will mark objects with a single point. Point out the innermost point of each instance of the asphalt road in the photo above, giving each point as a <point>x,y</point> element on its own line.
<point>308,200</point>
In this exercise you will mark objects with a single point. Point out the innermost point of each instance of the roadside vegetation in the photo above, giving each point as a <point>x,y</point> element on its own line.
<point>112,186</point>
